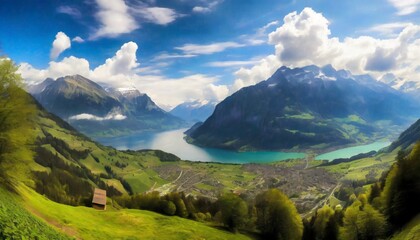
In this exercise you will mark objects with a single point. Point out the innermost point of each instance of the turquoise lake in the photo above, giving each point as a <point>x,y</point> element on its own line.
<point>173,142</point>
<point>351,151</point>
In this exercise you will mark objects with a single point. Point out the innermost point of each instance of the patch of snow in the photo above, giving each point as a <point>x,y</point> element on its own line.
<point>324,77</point>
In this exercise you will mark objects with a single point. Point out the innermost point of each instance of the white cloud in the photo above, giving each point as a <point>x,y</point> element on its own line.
<point>194,50</point>
<point>109,116</point>
<point>122,70</point>
<point>260,36</point>
<point>60,44</point>
<point>173,91</point>
<point>114,18</point>
<point>388,29</point>
<point>199,9</point>
<point>157,15</point>
<point>165,56</point>
<point>121,66</point>
<point>197,49</point>
<point>68,66</point>
<point>211,6</point>
<point>78,39</point>
<point>259,72</point>
<point>302,35</point>
<point>72,11</point>
<point>304,39</point>
<point>405,7</point>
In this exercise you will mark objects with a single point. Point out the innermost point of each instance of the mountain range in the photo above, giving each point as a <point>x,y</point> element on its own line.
<point>97,111</point>
<point>407,86</point>
<point>308,107</point>
<point>194,111</point>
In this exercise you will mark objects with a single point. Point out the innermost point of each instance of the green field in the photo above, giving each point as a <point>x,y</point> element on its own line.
<point>17,223</point>
<point>361,168</point>
<point>88,223</point>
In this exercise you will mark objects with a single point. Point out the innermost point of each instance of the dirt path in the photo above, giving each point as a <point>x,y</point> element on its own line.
<point>164,189</point>
<point>180,175</point>
<point>61,227</point>
<point>323,201</point>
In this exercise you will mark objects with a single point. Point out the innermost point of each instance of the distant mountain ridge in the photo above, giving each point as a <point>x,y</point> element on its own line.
<point>194,111</point>
<point>308,107</point>
<point>410,87</point>
<point>98,112</point>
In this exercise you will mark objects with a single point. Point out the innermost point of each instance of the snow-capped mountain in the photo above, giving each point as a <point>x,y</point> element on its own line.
<point>408,86</point>
<point>194,111</point>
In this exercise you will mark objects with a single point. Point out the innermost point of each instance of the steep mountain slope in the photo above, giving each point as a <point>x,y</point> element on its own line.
<point>302,108</point>
<point>195,111</point>
<point>35,89</point>
<point>97,112</point>
<point>73,95</point>
<point>408,138</point>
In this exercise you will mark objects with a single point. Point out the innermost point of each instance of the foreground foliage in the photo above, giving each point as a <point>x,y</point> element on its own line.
<point>18,223</point>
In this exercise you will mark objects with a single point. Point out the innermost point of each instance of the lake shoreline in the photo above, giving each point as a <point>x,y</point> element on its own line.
<point>173,141</point>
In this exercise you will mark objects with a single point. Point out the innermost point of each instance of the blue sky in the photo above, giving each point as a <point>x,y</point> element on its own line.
<point>216,46</point>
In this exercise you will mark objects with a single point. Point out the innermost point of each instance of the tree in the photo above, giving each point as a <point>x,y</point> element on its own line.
<point>375,191</point>
<point>167,207</point>
<point>16,126</point>
<point>362,221</point>
<point>181,209</point>
<point>234,211</point>
<point>323,217</point>
<point>277,217</point>
<point>400,196</point>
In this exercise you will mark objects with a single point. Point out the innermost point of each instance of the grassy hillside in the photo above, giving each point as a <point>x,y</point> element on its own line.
<point>17,223</point>
<point>410,232</point>
<point>88,223</point>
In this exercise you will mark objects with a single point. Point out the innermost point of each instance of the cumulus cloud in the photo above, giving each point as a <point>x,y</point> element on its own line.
<point>60,44</point>
<point>114,18</point>
<point>259,72</point>
<point>109,116</point>
<point>121,66</point>
<point>405,7</point>
<point>305,38</point>
<point>68,66</point>
<point>302,35</point>
<point>122,70</point>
